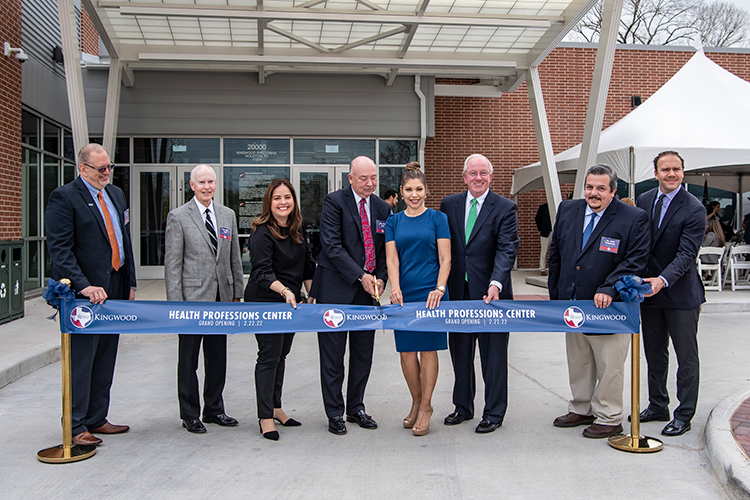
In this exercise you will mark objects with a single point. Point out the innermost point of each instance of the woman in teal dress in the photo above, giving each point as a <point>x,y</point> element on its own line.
<point>418,253</point>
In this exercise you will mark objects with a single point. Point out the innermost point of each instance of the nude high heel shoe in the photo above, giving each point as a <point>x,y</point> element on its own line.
<point>422,430</point>
<point>412,417</point>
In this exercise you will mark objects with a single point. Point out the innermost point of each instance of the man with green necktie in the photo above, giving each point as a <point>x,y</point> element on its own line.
<point>484,244</point>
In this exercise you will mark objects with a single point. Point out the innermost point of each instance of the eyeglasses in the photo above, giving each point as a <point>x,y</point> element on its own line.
<point>102,170</point>
<point>483,174</point>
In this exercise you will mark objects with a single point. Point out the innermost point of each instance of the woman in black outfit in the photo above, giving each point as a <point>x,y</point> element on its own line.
<point>282,262</point>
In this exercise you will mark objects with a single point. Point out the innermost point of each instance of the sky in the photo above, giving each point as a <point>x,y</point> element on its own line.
<point>745,4</point>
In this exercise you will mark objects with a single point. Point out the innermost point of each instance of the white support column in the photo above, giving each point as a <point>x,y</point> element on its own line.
<point>66,12</point>
<point>112,110</point>
<point>544,141</point>
<point>605,56</point>
<point>422,118</point>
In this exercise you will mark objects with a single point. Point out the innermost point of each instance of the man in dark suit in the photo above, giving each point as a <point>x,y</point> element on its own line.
<point>88,239</point>
<point>202,264</point>
<point>678,223</point>
<point>596,241</point>
<point>484,244</point>
<point>352,264</point>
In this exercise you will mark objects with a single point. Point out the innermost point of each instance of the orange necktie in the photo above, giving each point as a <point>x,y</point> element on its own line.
<point>111,234</point>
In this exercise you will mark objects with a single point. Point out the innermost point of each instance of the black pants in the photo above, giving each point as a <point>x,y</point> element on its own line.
<point>92,368</point>
<point>332,346</point>
<point>215,369</point>
<point>269,370</point>
<point>493,352</point>
<point>681,325</point>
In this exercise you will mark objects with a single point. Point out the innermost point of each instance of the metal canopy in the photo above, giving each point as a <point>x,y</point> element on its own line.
<point>488,39</point>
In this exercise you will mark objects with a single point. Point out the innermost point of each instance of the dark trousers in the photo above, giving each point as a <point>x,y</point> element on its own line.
<point>215,370</point>
<point>681,325</point>
<point>92,368</point>
<point>269,371</point>
<point>332,346</point>
<point>493,353</point>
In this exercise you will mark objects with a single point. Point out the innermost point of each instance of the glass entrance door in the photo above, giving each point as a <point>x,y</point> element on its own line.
<point>312,185</point>
<point>155,190</point>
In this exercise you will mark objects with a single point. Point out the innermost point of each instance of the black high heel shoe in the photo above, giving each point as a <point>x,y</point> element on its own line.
<point>272,435</point>
<point>290,422</point>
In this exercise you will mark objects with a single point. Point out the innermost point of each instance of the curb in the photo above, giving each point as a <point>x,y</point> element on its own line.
<point>28,363</point>
<point>728,460</point>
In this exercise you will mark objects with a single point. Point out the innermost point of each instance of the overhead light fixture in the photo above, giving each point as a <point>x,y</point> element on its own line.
<point>19,53</point>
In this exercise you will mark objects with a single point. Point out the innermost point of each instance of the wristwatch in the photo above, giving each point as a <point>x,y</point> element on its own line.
<point>441,289</point>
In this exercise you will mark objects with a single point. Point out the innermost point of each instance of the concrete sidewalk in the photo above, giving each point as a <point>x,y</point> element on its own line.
<point>526,458</point>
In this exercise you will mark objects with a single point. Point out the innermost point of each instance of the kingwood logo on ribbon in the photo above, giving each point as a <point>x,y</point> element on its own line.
<point>206,318</point>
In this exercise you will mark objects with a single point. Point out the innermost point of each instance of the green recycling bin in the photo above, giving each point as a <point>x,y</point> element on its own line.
<point>16,280</point>
<point>4,282</point>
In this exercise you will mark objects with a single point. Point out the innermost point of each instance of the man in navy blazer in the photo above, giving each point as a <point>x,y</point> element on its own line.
<point>351,265</point>
<point>594,242</point>
<point>480,270</point>
<point>673,309</point>
<point>88,239</point>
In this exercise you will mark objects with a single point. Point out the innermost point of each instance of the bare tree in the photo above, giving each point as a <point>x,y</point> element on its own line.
<point>669,22</point>
<point>722,24</point>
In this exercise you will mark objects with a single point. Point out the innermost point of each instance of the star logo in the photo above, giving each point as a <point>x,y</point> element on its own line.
<point>574,317</point>
<point>334,318</point>
<point>81,317</point>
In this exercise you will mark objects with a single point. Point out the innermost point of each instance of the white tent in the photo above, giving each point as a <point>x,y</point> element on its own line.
<point>703,112</point>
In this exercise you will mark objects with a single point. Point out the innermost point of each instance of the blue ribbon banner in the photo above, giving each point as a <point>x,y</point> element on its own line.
<point>206,318</point>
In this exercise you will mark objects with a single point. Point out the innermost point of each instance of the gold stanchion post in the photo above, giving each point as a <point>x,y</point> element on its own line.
<point>67,451</point>
<point>634,442</point>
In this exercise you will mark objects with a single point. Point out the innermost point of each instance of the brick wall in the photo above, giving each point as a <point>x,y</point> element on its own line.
<point>503,130</point>
<point>10,123</point>
<point>89,36</point>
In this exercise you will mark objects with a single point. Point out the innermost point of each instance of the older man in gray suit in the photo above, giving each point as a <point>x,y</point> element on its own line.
<point>202,263</point>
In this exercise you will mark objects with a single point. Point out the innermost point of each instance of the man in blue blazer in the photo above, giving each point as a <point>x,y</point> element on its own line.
<point>596,241</point>
<point>88,238</point>
<point>484,244</point>
<point>678,222</point>
<point>351,265</point>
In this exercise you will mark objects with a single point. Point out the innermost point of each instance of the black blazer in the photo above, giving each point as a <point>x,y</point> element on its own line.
<point>492,247</point>
<point>77,238</point>
<point>674,250</point>
<point>590,271</point>
<point>342,258</point>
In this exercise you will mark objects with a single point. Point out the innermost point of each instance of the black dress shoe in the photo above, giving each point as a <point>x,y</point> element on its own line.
<point>676,428</point>
<point>222,419</point>
<point>290,422</point>
<point>649,415</point>
<point>336,425</point>
<point>485,426</point>
<point>363,419</point>
<point>194,425</point>
<point>455,418</point>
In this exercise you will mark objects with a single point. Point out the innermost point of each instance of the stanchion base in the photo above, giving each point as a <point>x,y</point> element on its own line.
<point>59,455</point>
<point>637,444</point>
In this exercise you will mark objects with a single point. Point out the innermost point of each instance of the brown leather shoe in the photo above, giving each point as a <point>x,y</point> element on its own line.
<point>573,419</point>
<point>108,428</point>
<point>86,438</point>
<point>598,431</point>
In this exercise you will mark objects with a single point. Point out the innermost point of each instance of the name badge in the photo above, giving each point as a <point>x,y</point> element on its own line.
<point>225,233</point>
<point>380,226</point>
<point>126,216</point>
<point>609,245</point>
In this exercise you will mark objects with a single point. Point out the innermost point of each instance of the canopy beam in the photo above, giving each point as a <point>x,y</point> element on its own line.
<point>605,56</point>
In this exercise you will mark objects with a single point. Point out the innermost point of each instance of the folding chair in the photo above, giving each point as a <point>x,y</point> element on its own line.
<point>710,273</point>
<point>739,267</point>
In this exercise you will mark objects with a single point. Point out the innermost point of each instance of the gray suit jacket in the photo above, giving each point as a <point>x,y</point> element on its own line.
<point>191,271</point>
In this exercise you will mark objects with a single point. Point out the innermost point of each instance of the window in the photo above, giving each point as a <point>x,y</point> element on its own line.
<point>181,150</point>
<point>331,151</point>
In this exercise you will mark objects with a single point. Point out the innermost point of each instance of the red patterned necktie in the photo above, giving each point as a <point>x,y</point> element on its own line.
<point>367,236</point>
